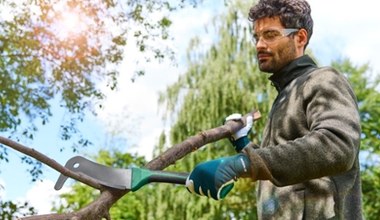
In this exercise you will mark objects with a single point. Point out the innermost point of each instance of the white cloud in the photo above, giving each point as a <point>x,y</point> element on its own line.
<point>142,123</point>
<point>346,28</point>
<point>42,195</point>
<point>132,110</point>
<point>147,143</point>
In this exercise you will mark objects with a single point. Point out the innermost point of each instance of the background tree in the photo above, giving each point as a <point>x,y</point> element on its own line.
<point>65,51</point>
<point>9,209</point>
<point>369,107</point>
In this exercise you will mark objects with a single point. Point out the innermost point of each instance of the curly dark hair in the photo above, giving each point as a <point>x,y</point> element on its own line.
<point>292,13</point>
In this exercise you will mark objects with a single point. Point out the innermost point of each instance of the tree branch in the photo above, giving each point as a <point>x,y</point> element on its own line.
<point>99,208</point>
<point>50,162</point>
<point>193,143</point>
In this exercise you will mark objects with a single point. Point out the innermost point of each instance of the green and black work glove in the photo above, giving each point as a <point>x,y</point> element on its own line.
<point>240,139</point>
<point>215,178</point>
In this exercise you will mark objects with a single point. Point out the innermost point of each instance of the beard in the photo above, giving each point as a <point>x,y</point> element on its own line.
<point>278,58</point>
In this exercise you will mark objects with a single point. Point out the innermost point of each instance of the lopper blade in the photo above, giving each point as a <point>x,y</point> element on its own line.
<point>107,176</point>
<point>117,178</point>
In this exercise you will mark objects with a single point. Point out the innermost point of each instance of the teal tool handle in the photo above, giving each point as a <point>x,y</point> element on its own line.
<point>141,177</point>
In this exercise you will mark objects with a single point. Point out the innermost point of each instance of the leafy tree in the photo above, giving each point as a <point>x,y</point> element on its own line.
<point>9,210</point>
<point>369,106</point>
<point>61,52</point>
<point>371,191</point>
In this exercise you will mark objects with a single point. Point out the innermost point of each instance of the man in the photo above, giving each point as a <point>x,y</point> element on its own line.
<point>307,165</point>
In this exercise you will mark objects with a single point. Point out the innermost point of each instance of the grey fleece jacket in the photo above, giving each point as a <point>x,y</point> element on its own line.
<point>307,165</point>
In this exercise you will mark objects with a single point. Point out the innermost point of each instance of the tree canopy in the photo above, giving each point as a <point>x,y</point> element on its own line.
<point>62,52</point>
<point>66,50</point>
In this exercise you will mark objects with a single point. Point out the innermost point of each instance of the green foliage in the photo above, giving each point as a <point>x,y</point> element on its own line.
<point>41,57</point>
<point>369,103</point>
<point>59,52</point>
<point>221,80</point>
<point>62,52</point>
<point>36,165</point>
<point>371,190</point>
<point>10,210</point>
<point>369,107</point>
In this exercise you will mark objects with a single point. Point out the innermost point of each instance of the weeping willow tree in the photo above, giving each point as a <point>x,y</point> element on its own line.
<point>221,80</point>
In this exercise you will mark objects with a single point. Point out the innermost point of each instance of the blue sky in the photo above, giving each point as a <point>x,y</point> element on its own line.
<point>342,28</point>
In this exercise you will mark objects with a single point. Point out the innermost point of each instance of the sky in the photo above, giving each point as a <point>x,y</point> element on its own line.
<point>342,28</point>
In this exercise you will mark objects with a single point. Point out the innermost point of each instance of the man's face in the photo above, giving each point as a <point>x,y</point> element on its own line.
<point>275,47</point>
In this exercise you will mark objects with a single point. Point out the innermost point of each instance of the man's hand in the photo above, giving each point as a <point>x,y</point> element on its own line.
<point>240,139</point>
<point>216,178</point>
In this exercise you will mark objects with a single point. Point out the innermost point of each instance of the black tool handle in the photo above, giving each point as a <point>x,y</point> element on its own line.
<point>168,177</point>
<point>140,177</point>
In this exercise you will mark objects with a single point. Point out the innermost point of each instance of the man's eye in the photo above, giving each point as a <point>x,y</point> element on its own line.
<point>255,37</point>
<point>269,35</point>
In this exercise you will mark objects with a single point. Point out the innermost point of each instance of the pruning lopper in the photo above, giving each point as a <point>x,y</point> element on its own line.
<point>131,179</point>
<point>123,179</point>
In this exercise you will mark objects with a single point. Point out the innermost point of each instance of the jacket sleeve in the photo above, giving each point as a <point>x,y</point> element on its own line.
<point>331,144</point>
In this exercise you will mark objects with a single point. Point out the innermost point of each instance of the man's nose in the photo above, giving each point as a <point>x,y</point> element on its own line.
<point>260,43</point>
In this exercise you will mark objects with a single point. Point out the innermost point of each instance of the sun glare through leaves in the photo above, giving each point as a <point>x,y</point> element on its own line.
<point>69,22</point>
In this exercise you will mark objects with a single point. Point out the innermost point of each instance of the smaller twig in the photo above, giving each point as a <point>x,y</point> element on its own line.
<point>51,163</point>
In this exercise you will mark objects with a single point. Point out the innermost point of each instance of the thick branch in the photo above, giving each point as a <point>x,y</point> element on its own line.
<point>193,143</point>
<point>99,208</point>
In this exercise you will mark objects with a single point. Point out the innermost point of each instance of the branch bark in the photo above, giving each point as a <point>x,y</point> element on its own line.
<point>99,208</point>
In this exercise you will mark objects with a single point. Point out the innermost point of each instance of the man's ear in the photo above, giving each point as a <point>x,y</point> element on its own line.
<point>301,37</point>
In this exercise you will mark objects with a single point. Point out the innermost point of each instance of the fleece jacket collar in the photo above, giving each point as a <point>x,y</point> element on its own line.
<point>294,69</point>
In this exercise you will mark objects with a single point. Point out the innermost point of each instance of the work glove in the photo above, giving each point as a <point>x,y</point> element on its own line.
<point>240,139</point>
<point>215,178</point>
